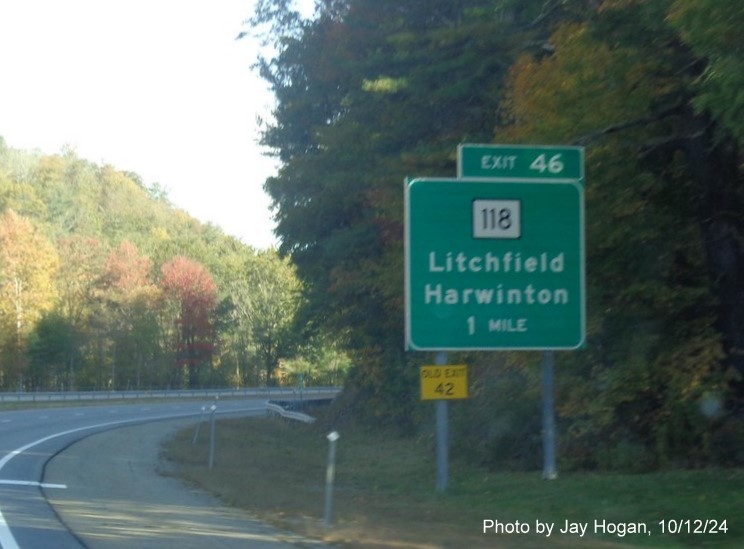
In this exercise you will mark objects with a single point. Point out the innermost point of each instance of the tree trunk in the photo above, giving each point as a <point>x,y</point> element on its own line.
<point>714,165</point>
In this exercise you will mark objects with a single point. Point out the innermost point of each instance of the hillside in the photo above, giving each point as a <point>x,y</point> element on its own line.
<point>106,285</point>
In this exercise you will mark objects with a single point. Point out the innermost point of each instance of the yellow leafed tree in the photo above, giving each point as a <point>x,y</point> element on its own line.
<point>28,264</point>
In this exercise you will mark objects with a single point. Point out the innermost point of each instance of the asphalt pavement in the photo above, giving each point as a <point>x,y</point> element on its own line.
<point>120,494</point>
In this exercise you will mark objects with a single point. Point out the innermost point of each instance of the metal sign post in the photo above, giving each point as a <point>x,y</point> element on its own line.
<point>549,470</point>
<point>443,382</point>
<point>330,474</point>
<point>198,425</point>
<point>442,435</point>
<point>528,163</point>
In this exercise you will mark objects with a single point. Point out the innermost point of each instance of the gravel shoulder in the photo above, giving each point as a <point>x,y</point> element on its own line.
<point>121,494</point>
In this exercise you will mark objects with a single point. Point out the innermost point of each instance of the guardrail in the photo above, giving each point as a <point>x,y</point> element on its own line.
<point>267,392</point>
<point>288,414</point>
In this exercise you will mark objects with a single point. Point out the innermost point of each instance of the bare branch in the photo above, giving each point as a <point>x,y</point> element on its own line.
<point>614,128</point>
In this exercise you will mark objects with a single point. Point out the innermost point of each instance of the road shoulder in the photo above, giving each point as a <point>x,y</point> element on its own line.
<point>120,494</point>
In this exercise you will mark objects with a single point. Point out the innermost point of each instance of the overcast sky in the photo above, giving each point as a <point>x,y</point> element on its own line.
<point>157,87</point>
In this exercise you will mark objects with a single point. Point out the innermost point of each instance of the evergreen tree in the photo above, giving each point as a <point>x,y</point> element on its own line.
<point>367,93</point>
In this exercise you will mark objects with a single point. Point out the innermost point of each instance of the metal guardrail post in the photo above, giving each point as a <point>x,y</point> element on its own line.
<point>198,425</point>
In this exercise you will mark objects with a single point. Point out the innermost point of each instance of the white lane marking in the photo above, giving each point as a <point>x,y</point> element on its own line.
<point>7,541</point>
<point>32,483</point>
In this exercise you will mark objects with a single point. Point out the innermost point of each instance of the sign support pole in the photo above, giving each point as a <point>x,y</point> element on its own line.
<point>330,475</point>
<point>442,434</point>
<point>549,470</point>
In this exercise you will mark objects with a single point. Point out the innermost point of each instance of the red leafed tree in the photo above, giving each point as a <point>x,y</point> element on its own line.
<point>192,289</point>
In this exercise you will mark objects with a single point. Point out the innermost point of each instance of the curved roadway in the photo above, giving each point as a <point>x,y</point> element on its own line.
<point>30,438</point>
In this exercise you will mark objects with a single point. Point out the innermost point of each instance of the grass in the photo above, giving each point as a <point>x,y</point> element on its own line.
<point>385,495</point>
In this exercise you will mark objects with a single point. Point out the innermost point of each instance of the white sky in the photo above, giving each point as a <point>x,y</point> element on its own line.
<point>157,87</point>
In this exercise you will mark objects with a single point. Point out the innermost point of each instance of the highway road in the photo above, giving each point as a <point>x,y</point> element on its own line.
<point>30,438</point>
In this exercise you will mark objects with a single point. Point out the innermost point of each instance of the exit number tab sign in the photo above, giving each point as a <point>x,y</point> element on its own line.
<point>515,162</point>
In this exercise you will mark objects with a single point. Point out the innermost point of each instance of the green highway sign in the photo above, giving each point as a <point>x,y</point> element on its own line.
<point>550,162</point>
<point>494,264</point>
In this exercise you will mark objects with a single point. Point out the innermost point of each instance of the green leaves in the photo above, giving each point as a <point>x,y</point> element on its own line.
<point>372,92</point>
<point>368,93</point>
<point>660,298</point>
<point>713,30</point>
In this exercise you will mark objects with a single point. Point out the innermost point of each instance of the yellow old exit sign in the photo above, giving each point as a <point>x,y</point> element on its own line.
<point>444,382</point>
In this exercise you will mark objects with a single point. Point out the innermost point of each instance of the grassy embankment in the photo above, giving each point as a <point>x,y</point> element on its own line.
<point>385,493</point>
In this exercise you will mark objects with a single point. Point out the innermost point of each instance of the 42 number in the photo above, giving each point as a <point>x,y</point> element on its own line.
<point>445,389</point>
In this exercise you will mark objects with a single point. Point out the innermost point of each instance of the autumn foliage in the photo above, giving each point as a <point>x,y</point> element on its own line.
<point>650,88</point>
<point>28,264</point>
<point>191,288</point>
<point>104,285</point>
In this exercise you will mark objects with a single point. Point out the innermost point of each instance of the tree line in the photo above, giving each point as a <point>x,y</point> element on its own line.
<point>106,285</point>
<point>372,91</point>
